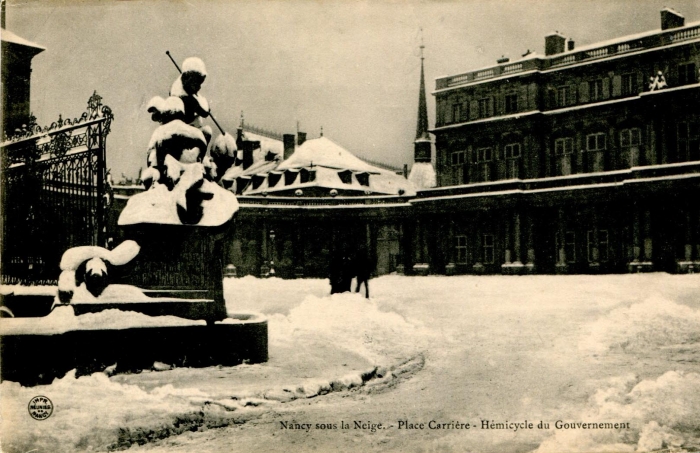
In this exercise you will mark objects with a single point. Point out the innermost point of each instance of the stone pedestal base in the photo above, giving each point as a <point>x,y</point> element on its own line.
<point>687,267</point>
<point>400,269</point>
<point>450,269</point>
<point>561,268</point>
<point>478,268</point>
<point>299,272</point>
<point>421,268</point>
<point>241,339</point>
<point>594,268</point>
<point>516,268</point>
<point>635,267</point>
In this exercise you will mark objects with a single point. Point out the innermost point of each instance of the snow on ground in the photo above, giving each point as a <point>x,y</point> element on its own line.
<point>618,348</point>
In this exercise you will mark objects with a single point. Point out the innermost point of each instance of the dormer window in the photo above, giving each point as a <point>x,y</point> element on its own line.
<point>307,175</point>
<point>363,178</point>
<point>273,179</point>
<point>345,176</point>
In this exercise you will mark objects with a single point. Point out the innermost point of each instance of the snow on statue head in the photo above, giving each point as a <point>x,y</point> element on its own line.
<point>181,177</point>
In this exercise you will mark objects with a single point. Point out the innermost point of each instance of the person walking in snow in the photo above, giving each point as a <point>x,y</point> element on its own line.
<point>362,270</point>
<point>341,273</point>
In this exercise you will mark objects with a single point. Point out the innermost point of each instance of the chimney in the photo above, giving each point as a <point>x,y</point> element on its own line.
<point>554,43</point>
<point>301,138</point>
<point>288,140</point>
<point>248,148</point>
<point>405,170</point>
<point>570,45</point>
<point>502,60</point>
<point>671,19</point>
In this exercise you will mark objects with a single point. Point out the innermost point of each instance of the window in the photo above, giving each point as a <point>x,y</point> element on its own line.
<point>603,242</point>
<point>488,249</point>
<point>511,103</point>
<point>595,90</point>
<point>687,74</point>
<point>595,142</point>
<point>458,158</point>
<point>688,140</point>
<point>563,96</point>
<point>461,249</point>
<point>512,151</point>
<point>485,110</point>
<point>570,246</point>
<point>563,146</point>
<point>484,154</point>
<point>457,113</point>
<point>629,84</point>
<point>630,137</point>
<point>483,159</point>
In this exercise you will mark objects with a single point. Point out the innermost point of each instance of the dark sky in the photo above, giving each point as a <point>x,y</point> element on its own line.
<point>349,66</point>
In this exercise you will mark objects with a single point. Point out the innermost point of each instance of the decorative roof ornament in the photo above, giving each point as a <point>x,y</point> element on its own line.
<point>422,126</point>
<point>658,82</point>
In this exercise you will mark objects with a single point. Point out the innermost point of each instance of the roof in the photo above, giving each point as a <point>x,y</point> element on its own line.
<point>332,167</point>
<point>267,144</point>
<point>324,152</point>
<point>9,37</point>
<point>532,62</point>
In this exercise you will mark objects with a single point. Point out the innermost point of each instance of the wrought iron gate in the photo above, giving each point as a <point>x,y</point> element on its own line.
<point>54,193</point>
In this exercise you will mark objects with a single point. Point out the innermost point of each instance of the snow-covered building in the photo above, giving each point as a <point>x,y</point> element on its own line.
<point>584,159</point>
<point>304,201</point>
<point>17,54</point>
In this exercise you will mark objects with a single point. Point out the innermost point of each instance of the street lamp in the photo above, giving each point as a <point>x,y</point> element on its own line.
<point>272,254</point>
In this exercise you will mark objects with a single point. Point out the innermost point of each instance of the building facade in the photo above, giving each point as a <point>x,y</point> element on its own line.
<point>581,160</point>
<point>576,161</point>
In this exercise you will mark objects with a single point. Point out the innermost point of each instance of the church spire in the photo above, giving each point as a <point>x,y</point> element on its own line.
<point>422,128</point>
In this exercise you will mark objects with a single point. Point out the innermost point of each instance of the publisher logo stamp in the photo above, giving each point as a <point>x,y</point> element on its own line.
<point>40,408</point>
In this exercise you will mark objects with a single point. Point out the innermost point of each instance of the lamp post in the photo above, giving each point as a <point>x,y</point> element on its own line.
<point>272,253</point>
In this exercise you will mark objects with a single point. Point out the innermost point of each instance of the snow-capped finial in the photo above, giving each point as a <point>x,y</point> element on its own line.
<point>194,64</point>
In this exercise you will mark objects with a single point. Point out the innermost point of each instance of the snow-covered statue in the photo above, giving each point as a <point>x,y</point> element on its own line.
<point>187,86</point>
<point>182,218</point>
<point>658,82</point>
<point>85,270</point>
<point>182,175</point>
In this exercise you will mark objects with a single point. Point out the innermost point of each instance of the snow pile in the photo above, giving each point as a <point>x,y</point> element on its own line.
<point>662,413</point>
<point>90,413</point>
<point>351,322</point>
<point>653,323</point>
<point>271,295</point>
<point>63,319</point>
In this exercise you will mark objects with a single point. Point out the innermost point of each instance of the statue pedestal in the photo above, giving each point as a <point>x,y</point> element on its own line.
<point>181,262</point>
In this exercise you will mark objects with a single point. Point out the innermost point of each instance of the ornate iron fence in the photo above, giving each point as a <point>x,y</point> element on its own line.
<point>54,192</point>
